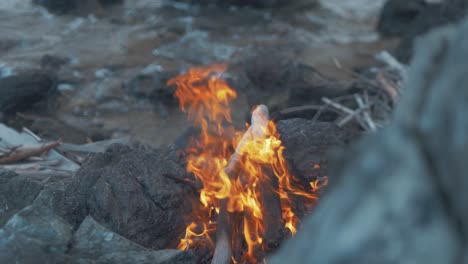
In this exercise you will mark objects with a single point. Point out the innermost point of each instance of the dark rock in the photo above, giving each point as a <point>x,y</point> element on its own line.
<point>59,6</point>
<point>35,235</point>
<point>152,87</point>
<point>280,82</point>
<point>75,6</point>
<point>410,19</point>
<point>53,62</point>
<point>396,15</point>
<point>167,256</point>
<point>110,2</point>
<point>16,192</point>
<point>256,3</point>
<point>133,193</point>
<point>92,241</point>
<point>22,91</point>
<point>308,143</point>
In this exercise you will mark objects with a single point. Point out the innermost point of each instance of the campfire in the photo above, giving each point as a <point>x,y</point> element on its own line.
<point>245,206</point>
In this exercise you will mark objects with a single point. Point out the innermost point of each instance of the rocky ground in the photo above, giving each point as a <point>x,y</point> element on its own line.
<point>98,70</point>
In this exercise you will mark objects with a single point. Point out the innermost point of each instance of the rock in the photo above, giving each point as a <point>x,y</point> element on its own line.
<point>110,2</point>
<point>410,19</point>
<point>168,256</point>
<point>53,62</point>
<point>152,86</point>
<point>396,15</point>
<point>196,47</point>
<point>58,6</point>
<point>133,193</point>
<point>279,81</point>
<point>20,92</point>
<point>16,192</point>
<point>75,6</point>
<point>257,3</point>
<point>94,242</point>
<point>35,235</point>
<point>308,143</point>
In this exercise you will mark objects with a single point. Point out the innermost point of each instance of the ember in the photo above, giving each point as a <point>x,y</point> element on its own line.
<point>247,189</point>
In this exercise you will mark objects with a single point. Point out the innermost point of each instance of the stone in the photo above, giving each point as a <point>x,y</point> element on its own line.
<point>35,235</point>
<point>22,91</point>
<point>133,192</point>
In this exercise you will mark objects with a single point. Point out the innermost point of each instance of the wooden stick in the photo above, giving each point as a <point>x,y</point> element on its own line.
<point>338,106</point>
<point>367,117</point>
<point>223,250</point>
<point>22,153</point>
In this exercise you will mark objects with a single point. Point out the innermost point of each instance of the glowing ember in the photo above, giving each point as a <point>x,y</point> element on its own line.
<point>206,98</point>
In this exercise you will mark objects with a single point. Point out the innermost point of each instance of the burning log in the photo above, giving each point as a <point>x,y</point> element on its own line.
<point>258,128</point>
<point>272,217</point>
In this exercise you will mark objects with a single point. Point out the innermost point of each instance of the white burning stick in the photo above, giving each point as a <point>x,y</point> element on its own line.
<point>258,128</point>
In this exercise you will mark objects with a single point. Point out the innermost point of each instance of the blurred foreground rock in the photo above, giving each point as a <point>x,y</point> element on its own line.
<point>400,195</point>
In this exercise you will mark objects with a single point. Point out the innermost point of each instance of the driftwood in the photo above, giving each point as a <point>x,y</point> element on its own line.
<point>11,140</point>
<point>399,196</point>
<point>24,152</point>
<point>223,251</point>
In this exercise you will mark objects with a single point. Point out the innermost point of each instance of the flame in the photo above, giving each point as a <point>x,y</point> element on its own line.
<point>206,98</point>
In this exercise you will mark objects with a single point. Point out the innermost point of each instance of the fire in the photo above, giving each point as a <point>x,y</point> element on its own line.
<point>206,98</point>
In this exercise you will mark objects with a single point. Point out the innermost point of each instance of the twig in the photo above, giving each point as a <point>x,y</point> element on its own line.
<point>29,132</point>
<point>338,106</point>
<point>366,115</point>
<point>348,118</point>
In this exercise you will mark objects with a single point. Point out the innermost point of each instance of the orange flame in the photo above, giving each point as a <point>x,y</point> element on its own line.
<point>206,98</point>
